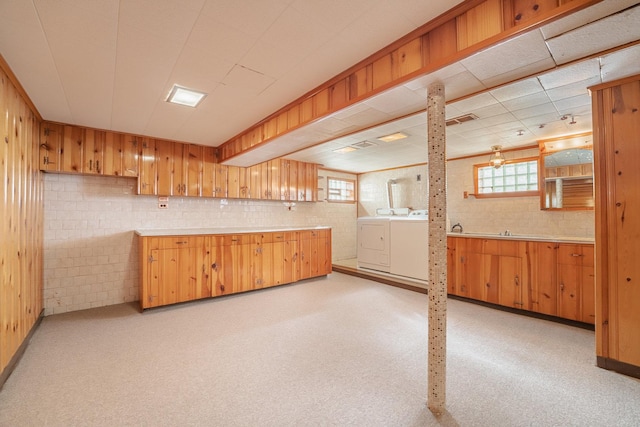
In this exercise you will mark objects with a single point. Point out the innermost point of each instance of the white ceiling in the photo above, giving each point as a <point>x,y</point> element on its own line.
<point>109,64</point>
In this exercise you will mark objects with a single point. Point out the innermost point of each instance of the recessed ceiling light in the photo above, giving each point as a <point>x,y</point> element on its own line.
<point>183,96</point>
<point>393,137</point>
<point>345,150</point>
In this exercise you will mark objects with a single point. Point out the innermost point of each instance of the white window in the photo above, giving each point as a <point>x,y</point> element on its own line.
<point>341,190</point>
<point>516,178</point>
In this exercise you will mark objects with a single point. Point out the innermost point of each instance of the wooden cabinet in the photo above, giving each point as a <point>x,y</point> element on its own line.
<point>616,131</point>
<point>174,269</point>
<point>50,146</point>
<point>71,153</point>
<point>169,168</point>
<point>545,277</point>
<point>93,151</point>
<point>542,289</point>
<point>182,268</point>
<point>148,165</point>
<point>575,278</point>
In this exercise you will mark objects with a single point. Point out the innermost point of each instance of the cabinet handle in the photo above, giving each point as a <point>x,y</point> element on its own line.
<point>98,166</point>
<point>577,255</point>
<point>517,280</point>
<point>184,242</point>
<point>90,165</point>
<point>562,287</point>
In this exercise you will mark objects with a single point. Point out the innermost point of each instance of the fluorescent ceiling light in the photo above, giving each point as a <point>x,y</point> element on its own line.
<point>345,150</point>
<point>393,137</point>
<point>183,96</point>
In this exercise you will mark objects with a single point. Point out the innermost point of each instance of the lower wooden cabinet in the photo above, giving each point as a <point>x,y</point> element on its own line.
<point>545,277</point>
<point>183,268</point>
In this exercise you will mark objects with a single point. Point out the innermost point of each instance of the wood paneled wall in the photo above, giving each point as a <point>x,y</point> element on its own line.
<point>21,220</point>
<point>463,30</point>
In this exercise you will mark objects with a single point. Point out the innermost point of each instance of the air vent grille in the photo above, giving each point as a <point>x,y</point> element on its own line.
<point>461,119</point>
<point>363,144</point>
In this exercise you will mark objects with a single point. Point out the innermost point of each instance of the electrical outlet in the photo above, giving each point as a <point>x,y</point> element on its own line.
<point>163,205</point>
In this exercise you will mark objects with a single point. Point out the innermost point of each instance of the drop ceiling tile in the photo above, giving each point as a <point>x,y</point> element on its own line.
<point>585,16</point>
<point>421,83</point>
<point>517,89</point>
<point>270,60</point>
<point>526,71</point>
<point>532,100</point>
<point>197,70</point>
<point>367,117</point>
<point>571,74</point>
<point>596,37</point>
<point>470,105</point>
<point>569,105</point>
<point>253,18</point>
<point>167,21</point>
<point>574,89</point>
<point>295,32</point>
<point>621,64</point>
<point>395,99</point>
<point>218,40</point>
<point>535,111</point>
<point>247,81</point>
<point>515,54</point>
<point>324,12</point>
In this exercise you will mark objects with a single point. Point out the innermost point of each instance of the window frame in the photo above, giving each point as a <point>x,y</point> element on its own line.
<point>528,193</point>
<point>348,180</point>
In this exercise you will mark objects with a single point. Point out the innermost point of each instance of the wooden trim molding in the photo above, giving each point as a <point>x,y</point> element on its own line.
<point>468,28</point>
<point>620,367</point>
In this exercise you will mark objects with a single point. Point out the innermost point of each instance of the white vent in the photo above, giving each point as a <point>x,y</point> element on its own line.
<point>363,144</point>
<point>461,119</point>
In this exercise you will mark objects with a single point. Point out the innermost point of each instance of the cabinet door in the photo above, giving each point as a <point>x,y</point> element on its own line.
<point>255,187</point>
<point>221,181</point>
<point>179,168</point>
<point>50,146</point>
<point>209,172</point>
<point>72,144</point>
<point>302,179</point>
<point>164,156</point>
<point>148,165</point>
<point>93,151</point>
<point>274,179</point>
<point>244,181</point>
<point>194,170</point>
<point>233,182</point>
<point>311,183</point>
<point>588,282</point>
<point>452,263</point>
<point>569,273</point>
<point>223,277</point>
<point>324,252</point>
<point>291,259</point>
<point>284,179</point>
<point>510,289</point>
<point>112,157</point>
<point>130,155</point>
<point>543,288</point>
<point>305,249</point>
<point>472,276</point>
<point>278,259</point>
<point>293,180</point>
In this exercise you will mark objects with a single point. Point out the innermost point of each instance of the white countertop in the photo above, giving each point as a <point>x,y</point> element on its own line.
<point>561,239</point>
<point>219,230</point>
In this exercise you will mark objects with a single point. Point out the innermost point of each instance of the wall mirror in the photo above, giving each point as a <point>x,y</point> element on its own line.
<point>566,175</point>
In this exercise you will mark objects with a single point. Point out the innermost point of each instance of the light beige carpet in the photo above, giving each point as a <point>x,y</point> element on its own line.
<point>336,351</point>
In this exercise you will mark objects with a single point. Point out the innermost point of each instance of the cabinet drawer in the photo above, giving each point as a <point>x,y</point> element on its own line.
<point>237,239</point>
<point>180,242</point>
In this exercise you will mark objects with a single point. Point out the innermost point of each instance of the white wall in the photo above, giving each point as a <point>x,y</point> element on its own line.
<point>91,255</point>
<point>520,215</point>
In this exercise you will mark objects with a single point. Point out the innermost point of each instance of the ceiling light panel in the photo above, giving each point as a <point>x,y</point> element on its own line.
<point>183,96</point>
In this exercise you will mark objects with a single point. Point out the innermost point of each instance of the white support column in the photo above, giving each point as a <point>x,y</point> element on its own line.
<point>437,357</point>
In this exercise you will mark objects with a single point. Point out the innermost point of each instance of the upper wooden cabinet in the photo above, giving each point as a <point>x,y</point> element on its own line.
<point>50,146</point>
<point>170,168</point>
<point>616,131</point>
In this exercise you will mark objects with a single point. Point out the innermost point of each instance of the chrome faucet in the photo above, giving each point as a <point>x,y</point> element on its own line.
<point>458,225</point>
<point>507,233</point>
